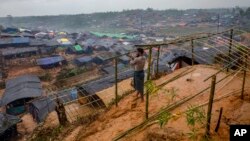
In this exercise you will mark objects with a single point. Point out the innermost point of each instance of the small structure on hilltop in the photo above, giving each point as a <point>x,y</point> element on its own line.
<point>8,126</point>
<point>51,62</point>
<point>19,91</point>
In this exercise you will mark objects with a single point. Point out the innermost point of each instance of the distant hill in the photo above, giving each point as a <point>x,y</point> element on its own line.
<point>110,21</point>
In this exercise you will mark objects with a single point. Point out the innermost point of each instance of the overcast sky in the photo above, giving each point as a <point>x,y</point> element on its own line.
<point>55,7</point>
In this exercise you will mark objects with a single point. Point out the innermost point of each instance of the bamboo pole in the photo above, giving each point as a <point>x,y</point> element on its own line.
<point>230,45</point>
<point>158,57</point>
<point>210,105</point>
<point>192,45</point>
<point>116,82</point>
<point>244,79</point>
<point>231,57</point>
<point>218,122</point>
<point>222,69</point>
<point>148,78</point>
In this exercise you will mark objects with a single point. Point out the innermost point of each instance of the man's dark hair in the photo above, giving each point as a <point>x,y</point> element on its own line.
<point>140,50</point>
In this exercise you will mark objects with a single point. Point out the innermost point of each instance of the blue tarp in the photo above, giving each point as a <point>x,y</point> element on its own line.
<point>20,40</point>
<point>10,30</point>
<point>49,60</point>
<point>73,94</point>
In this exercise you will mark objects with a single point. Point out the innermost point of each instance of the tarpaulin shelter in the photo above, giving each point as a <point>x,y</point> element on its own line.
<point>19,91</point>
<point>10,30</point>
<point>75,49</point>
<point>26,34</point>
<point>51,43</point>
<point>5,42</point>
<point>64,42</point>
<point>86,60</point>
<point>15,42</point>
<point>8,35</point>
<point>8,126</point>
<point>111,69</point>
<point>127,47</point>
<point>41,35</point>
<point>41,107</point>
<point>119,50</point>
<point>104,57</point>
<point>21,41</point>
<point>19,52</point>
<point>50,62</point>
<point>37,43</point>
<point>124,59</point>
<point>88,43</point>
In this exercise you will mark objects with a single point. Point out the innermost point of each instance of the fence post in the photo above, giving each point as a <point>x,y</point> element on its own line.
<point>230,46</point>
<point>210,105</point>
<point>148,78</point>
<point>116,82</point>
<point>158,57</point>
<point>192,45</point>
<point>244,79</point>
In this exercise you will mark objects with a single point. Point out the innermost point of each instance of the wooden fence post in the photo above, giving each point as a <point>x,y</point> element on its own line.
<point>210,106</point>
<point>244,78</point>
<point>219,119</point>
<point>148,78</point>
<point>116,81</point>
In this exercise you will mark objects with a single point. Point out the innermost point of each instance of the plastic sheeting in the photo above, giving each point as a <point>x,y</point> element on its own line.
<point>27,86</point>
<point>49,60</point>
<point>7,121</point>
<point>40,108</point>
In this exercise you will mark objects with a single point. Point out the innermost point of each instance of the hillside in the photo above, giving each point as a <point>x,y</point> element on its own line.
<point>130,111</point>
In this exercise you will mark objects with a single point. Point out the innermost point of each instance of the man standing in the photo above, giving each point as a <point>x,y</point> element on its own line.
<point>138,63</point>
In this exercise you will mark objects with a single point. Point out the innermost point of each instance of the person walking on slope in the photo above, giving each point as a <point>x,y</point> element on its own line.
<point>138,63</point>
